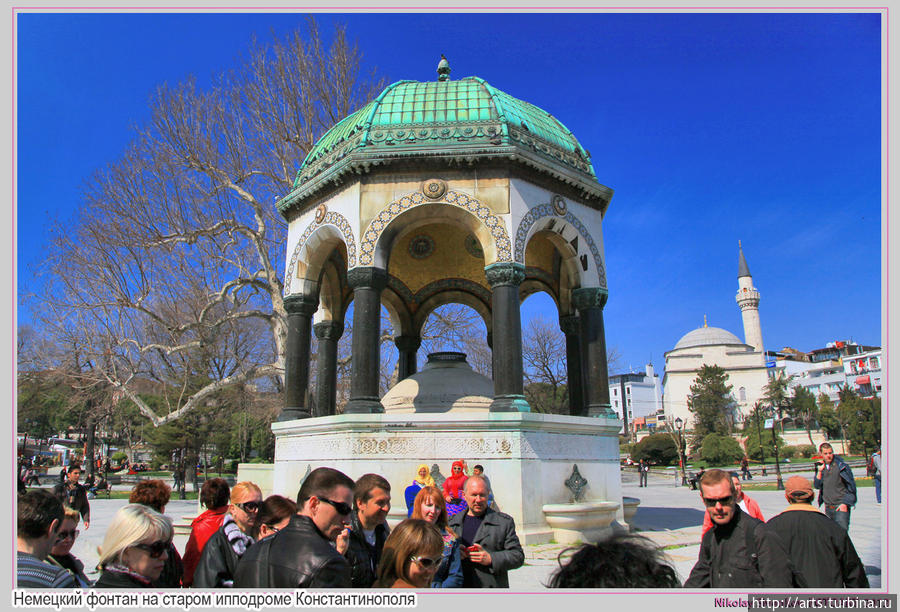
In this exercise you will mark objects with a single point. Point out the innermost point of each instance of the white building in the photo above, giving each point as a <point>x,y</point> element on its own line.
<point>863,373</point>
<point>744,362</point>
<point>635,395</point>
<point>827,370</point>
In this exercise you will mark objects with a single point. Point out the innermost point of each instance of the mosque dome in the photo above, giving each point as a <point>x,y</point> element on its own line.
<point>446,383</point>
<point>705,336</point>
<point>449,123</point>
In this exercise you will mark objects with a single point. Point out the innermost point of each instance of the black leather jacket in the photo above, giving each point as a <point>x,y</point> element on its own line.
<point>361,555</point>
<point>217,564</point>
<point>298,556</point>
<point>726,563</point>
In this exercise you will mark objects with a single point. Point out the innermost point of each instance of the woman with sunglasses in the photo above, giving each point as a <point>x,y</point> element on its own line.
<point>61,554</point>
<point>411,556</point>
<point>453,488</point>
<point>429,506</point>
<point>134,549</point>
<point>273,516</point>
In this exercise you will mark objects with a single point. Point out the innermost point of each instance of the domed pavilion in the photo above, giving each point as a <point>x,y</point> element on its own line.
<point>449,191</point>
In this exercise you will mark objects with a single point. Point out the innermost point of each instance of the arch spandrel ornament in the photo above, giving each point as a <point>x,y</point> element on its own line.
<point>557,218</point>
<point>323,218</point>
<point>491,222</point>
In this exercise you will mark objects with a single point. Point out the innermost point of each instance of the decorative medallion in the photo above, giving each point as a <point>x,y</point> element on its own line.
<point>473,247</point>
<point>434,189</point>
<point>421,246</point>
<point>576,484</point>
<point>321,211</point>
<point>559,205</point>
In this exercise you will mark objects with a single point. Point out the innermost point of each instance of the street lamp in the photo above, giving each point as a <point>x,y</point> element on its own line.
<point>679,424</point>
<point>778,484</point>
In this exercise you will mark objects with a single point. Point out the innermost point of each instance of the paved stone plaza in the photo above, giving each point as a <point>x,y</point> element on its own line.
<point>670,515</point>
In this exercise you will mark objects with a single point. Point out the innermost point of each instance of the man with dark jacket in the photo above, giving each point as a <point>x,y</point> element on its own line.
<point>301,555</point>
<point>368,528</point>
<point>739,551</point>
<point>74,495</point>
<point>224,549</point>
<point>820,549</point>
<point>489,545</point>
<point>837,487</point>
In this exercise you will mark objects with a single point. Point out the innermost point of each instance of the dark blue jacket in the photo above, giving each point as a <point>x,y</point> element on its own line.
<point>849,482</point>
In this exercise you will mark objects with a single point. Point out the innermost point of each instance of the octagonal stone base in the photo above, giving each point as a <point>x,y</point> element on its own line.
<point>527,456</point>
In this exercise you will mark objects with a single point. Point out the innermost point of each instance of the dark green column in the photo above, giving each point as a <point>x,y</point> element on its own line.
<point>327,333</point>
<point>589,302</point>
<point>367,284</point>
<point>300,309</point>
<point>571,327</point>
<point>407,346</point>
<point>506,324</point>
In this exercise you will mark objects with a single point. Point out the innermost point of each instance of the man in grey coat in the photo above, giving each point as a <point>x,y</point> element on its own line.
<point>489,545</point>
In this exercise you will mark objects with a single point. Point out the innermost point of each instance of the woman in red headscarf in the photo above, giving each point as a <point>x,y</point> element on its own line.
<point>453,488</point>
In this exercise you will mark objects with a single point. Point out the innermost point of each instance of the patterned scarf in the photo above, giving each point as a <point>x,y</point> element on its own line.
<point>121,569</point>
<point>238,540</point>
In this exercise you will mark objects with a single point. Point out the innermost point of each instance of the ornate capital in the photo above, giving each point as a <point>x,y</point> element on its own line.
<point>589,297</point>
<point>570,325</point>
<point>505,273</point>
<point>301,304</point>
<point>408,343</point>
<point>328,330</point>
<point>370,276</point>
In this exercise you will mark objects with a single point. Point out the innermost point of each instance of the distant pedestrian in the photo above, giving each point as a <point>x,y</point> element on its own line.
<point>74,495</point>
<point>643,470</point>
<point>478,470</point>
<point>876,477</point>
<point>837,487</point>
<point>745,468</point>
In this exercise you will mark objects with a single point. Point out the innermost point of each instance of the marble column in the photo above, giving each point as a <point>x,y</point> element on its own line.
<point>300,309</point>
<point>589,302</point>
<point>328,333</point>
<point>367,284</point>
<point>506,323</point>
<point>571,328</point>
<point>407,346</point>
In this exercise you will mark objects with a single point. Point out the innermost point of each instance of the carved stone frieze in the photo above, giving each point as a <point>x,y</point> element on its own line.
<point>507,273</point>
<point>589,297</point>
<point>369,276</point>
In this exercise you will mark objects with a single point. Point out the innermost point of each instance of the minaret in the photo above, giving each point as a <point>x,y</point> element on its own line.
<point>748,299</point>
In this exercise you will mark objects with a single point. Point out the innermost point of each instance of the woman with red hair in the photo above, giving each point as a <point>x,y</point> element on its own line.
<point>453,488</point>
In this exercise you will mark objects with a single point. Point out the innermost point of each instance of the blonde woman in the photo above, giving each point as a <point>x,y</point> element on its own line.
<point>411,556</point>
<point>135,548</point>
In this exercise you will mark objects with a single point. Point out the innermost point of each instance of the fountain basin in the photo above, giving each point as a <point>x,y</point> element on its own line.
<point>580,522</point>
<point>629,507</point>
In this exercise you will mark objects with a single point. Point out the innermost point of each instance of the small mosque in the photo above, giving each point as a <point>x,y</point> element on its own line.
<point>743,361</point>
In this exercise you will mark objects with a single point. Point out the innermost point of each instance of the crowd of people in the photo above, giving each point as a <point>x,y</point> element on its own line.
<point>336,535</point>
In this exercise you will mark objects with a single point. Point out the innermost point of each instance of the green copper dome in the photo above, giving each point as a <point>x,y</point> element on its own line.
<point>454,122</point>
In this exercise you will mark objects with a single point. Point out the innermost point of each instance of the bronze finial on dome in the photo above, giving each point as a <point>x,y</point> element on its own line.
<point>443,69</point>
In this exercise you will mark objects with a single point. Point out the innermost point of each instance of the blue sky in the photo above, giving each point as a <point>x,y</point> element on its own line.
<point>711,128</point>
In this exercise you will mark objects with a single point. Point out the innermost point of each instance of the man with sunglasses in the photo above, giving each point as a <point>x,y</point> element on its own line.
<point>739,551</point>
<point>220,556</point>
<point>302,554</point>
